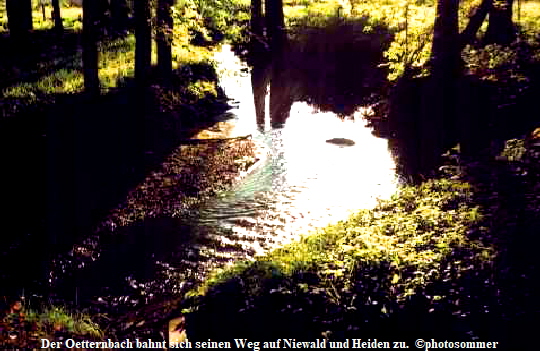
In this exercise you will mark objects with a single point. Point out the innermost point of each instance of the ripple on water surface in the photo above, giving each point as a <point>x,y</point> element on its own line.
<point>304,183</point>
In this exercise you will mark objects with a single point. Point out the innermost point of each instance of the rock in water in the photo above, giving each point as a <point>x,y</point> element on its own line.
<point>341,141</point>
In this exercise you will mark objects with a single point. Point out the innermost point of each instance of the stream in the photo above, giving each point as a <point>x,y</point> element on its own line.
<point>301,183</point>
<point>304,182</point>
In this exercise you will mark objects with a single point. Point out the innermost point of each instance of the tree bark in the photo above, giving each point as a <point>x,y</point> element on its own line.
<point>439,109</point>
<point>500,28</point>
<point>143,43</point>
<point>119,16</point>
<point>275,22</point>
<point>475,22</point>
<point>256,17</point>
<point>164,40</point>
<point>90,52</point>
<point>102,16</point>
<point>19,13</point>
<point>58,25</point>
<point>143,65</point>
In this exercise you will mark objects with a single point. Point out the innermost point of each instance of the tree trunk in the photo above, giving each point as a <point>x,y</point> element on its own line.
<point>58,25</point>
<point>90,52</point>
<point>143,43</point>
<point>43,14</point>
<point>119,16</point>
<point>102,17</point>
<point>439,109</point>
<point>19,13</point>
<point>256,17</point>
<point>275,21</point>
<point>143,65</point>
<point>445,50</point>
<point>501,28</point>
<point>475,22</point>
<point>164,39</point>
<point>257,41</point>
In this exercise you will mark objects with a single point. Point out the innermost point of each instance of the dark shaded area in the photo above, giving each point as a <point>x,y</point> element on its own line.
<point>73,162</point>
<point>253,306</point>
<point>488,113</point>
<point>40,57</point>
<point>512,201</point>
<point>334,69</point>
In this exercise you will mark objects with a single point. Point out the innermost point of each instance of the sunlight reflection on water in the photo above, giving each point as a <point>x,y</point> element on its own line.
<point>305,182</point>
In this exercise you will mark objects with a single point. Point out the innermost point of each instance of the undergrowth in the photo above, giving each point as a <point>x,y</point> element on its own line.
<point>425,241</point>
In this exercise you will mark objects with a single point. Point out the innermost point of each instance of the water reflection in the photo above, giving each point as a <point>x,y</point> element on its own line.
<point>335,69</point>
<point>306,182</point>
<point>302,183</point>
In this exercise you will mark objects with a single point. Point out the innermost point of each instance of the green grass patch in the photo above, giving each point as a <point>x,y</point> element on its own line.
<point>415,232</point>
<point>26,327</point>
<point>426,241</point>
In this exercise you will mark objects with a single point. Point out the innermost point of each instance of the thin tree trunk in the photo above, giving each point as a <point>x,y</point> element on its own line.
<point>58,25</point>
<point>143,42</point>
<point>475,22</point>
<point>164,39</point>
<point>43,14</point>
<point>501,28</point>
<point>119,16</point>
<point>256,17</point>
<point>90,52</point>
<point>143,64</point>
<point>258,43</point>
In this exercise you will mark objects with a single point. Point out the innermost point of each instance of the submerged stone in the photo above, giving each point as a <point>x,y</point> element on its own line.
<point>341,141</point>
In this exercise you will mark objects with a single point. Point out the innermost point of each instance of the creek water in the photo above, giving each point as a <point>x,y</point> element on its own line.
<point>303,182</point>
<point>300,183</point>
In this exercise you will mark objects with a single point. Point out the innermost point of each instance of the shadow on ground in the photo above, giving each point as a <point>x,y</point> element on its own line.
<point>68,164</point>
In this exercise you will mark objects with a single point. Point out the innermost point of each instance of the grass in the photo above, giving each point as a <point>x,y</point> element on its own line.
<point>46,322</point>
<point>72,18</point>
<point>419,227</point>
<point>51,318</point>
<point>116,65</point>
<point>411,24</point>
<point>368,267</point>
